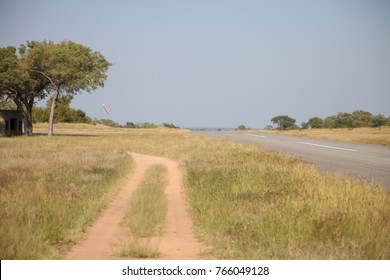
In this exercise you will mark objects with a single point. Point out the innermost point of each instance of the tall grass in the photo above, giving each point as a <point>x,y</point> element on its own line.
<point>247,202</point>
<point>146,215</point>
<point>51,188</point>
<point>147,211</point>
<point>251,203</point>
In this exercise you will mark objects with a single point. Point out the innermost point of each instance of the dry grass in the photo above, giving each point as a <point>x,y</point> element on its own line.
<point>76,128</point>
<point>138,251</point>
<point>379,136</point>
<point>51,188</point>
<point>148,208</point>
<point>247,203</point>
<point>97,129</point>
<point>146,215</point>
<point>251,203</point>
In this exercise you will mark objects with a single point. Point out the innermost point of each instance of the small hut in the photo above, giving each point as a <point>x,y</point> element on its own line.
<point>11,122</point>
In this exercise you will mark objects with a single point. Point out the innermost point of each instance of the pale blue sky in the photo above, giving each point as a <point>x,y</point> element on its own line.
<point>221,63</point>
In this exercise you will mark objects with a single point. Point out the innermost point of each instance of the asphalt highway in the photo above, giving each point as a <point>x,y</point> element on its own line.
<point>370,163</point>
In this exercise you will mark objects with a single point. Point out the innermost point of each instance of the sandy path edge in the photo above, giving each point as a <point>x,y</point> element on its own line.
<point>105,234</point>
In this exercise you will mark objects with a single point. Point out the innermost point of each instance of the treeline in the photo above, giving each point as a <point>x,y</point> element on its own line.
<point>355,119</point>
<point>63,113</point>
<point>358,118</point>
<point>112,123</point>
<point>149,125</point>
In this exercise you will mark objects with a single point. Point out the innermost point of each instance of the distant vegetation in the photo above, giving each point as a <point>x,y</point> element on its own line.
<point>368,135</point>
<point>149,125</point>
<point>358,118</point>
<point>65,114</point>
<point>242,127</point>
<point>106,122</point>
<point>284,122</point>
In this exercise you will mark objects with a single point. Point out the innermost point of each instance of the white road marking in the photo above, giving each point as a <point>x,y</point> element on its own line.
<point>256,135</point>
<point>329,147</point>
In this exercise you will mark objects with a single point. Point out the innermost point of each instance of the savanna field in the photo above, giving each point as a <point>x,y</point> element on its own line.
<point>377,136</point>
<point>246,202</point>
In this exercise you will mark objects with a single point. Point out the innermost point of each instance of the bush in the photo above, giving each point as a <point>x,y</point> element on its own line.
<point>378,121</point>
<point>170,125</point>
<point>108,122</point>
<point>145,125</point>
<point>242,127</point>
<point>284,122</point>
<point>357,118</point>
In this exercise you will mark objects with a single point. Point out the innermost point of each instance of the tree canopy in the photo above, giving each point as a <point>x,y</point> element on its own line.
<point>357,118</point>
<point>17,85</point>
<point>70,68</point>
<point>42,69</point>
<point>284,122</point>
<point>314,122</point>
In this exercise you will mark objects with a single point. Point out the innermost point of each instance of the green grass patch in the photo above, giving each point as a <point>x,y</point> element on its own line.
<point>147,212</point>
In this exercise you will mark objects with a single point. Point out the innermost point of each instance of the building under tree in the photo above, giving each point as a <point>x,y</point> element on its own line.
<point>11,122</point>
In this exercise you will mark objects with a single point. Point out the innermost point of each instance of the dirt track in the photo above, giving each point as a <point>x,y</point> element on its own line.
<point>105,234</point>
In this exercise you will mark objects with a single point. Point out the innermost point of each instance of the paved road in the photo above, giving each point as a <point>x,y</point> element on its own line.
<point>367,162</point>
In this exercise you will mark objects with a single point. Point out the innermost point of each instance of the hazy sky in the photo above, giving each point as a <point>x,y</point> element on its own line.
<point>220,63</point>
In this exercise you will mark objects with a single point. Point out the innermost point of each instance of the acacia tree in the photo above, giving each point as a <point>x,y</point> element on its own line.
<point>316,122</point>
<point>283,122</point>
<point>44,68</point>
<point>17,85</point>
<point>68,67</point>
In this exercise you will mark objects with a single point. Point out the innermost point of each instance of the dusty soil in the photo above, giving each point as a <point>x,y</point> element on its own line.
<point>102,239</point>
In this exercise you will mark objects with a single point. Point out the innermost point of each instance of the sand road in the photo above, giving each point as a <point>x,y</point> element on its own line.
<point>105,235</point>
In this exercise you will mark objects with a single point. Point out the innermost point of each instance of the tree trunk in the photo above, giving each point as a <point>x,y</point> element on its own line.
<point>27,115</point>
<point>53,107</point>
<point>28,123</point>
